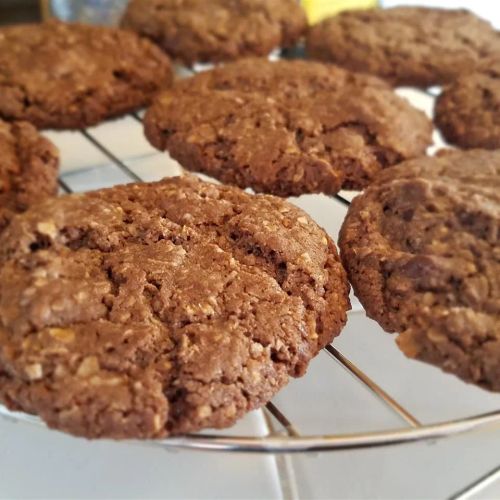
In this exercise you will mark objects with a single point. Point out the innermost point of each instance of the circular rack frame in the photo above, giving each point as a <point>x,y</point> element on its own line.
<point>286,439</point>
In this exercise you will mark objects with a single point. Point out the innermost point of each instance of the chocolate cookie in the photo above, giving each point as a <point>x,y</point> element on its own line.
<point>28,169</point>
<point>58,75</point>
<point>158,309</point>
<point>405,45</point>
<point>468,110</point>
<point>217,30</point>
<point>287,128</point>
<point>422,250</point>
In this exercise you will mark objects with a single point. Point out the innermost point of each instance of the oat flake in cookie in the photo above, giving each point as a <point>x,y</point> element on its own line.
<point>421,246</point>
<point>405,45</point>
<point>158,309</point>
<point>217,30</point>
<point>28,169</point>
<point>287,127</point>
<point>468,110</point>
<point>59,75</point>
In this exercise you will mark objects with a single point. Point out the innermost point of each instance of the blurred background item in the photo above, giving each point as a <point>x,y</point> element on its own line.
<point>109,11</point>
<point>17,11</point>
<point>86,11</point>
<point>319,9</point>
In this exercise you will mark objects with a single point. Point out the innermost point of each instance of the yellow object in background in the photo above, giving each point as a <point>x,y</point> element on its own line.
<point>319,9</point>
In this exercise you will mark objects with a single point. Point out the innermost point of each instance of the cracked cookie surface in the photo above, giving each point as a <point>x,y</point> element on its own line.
<point>217,30</point>
<point>468,110</point>
<point>422,250</point>
<point>405,45</point>
<point>59,75</point>
<point>286,127</point>
<point>28,169</point>
<point>159,309</point>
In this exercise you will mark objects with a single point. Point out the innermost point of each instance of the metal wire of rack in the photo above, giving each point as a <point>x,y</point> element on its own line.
<point>289,439</point>
<point>283,436</point>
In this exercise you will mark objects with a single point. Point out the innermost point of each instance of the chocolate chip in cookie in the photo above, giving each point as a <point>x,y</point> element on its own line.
<point>422,250</point>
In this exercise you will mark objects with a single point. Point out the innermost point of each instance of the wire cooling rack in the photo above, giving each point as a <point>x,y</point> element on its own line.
<point>108,149</point>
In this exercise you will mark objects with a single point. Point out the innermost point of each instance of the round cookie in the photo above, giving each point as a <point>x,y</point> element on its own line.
<point>405,45</point>
<point>159,309</point>
<point>59,75</point>
<point>28,169</point>
<point>217,30</point>
<point>287,127</point>
<point>421,247</point>
<point>468,110</point>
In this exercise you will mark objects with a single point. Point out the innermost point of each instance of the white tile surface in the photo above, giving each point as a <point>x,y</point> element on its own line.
<point>427,392</point>
<point>37,463</point>
<point>76,151</point>
<point>92,178</point>
<point>124,137</point>
<point>333,402</point>
<point>154,167</point>
<point>416,471</point>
